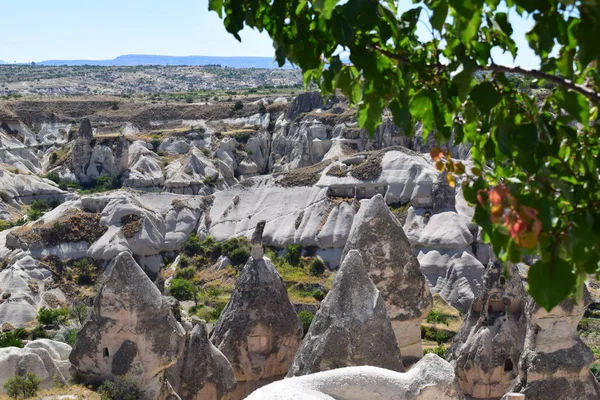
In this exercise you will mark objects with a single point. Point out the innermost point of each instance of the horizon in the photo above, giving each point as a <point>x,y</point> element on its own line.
<point>153,28</point>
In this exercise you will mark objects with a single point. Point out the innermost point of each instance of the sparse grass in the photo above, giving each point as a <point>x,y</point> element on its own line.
<point>81,392</point>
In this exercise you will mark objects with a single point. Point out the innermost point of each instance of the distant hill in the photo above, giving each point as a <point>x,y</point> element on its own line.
<point>137,59</point>
<point>3,62</point>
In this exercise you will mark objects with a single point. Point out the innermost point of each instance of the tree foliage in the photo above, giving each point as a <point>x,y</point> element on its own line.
<point>534,178</point>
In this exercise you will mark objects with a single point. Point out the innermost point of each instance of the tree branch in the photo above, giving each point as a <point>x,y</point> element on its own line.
<point>566,83</point>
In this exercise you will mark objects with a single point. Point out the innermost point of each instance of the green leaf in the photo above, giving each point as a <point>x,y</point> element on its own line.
<point>422,109</point>
<point>217,6</point>
<point>485,96</point>
<point>463,78</point>
<point>575,104</point>
<point>325,7</point>
<point>551,282</point>
<point>440,12</point>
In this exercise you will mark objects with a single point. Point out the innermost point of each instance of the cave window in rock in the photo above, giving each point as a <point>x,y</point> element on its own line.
<point>106,352</point>
<point>508,365</point>
<point>502,281</point>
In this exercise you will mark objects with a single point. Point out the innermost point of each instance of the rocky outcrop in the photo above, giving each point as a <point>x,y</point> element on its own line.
<point>352,327</point>
<point>101,156</point>
<point>555,363</point>
<point>195,174</point>
<point>306,102</point>
<point>203,373</point>
<point>21,188</point>
<point>144,169</point>
<point>130,331</point>
<point>391,265</point>
<point>25,287</point>
<point>448,246</point>
<point>259,330</point>
<point>487,348</point>
<point>45,358</point>
<point>431,378</point>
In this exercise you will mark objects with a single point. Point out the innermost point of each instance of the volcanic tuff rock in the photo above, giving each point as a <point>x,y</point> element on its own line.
<point>25,287</point>
<point>130,330</point>
<point>351,328</point>
<point>25,188</point>
<point>259,330</point>
<point>91,159</point>
<point>203,373</point>
<point>448,246</point>
<point>487,348</point>
<point>555,363</point>
<point>391,265</point>
<point>431,378</point>
<point>45,358</point>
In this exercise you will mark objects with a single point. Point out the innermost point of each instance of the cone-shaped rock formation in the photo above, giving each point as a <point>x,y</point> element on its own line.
<point>130,331</point>
<point>394,269</point>
<point>352,327</point>
<point>259,330</point>
<point>487,349</point>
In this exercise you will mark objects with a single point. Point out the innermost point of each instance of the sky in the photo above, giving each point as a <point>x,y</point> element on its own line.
<point>38,30</point>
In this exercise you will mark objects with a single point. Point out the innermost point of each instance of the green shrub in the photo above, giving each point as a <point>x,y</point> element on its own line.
<point>13,338</point>
<point>595,368</point>
<point>86,271</point>
<point>317,266</point>
<point>48,316</point>
<point>306,318</point>
<point>437,317</point>
<point>182,289</point>
<point>186,273</point>
<point>318,294</point>
<point>4,225</point>
<point>239,256</point>
<point>53,158</point>
<point>79,312</point>
<point>189,99</point>
<point>104,183</point>
<point>155,142</point>
<point>436,335</point>
<point>238,105</point>
<point>293,255</point>
<point>121,388</point>
<point>440,350</point>
<point>184,261</point>
<point>22,387</point>
<point>54,177</point>
<point>242,137</point>
<point>33,214</point>
<point>192,245</point>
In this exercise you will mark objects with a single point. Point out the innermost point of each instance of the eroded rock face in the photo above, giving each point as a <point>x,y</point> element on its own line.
<point>391,265</point>
<point>431,378</point>
<point>555,363</point>
<point>25,287</point>
<point>130,331</point>
<point>487,349</point>
<point>203,373</point>
<point>92,158</point>
<point>352,327</point>
<point>259,330</point>
<point>45,358</point>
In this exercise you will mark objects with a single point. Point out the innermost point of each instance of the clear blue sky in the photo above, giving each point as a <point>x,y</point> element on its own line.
<point>37,30</point>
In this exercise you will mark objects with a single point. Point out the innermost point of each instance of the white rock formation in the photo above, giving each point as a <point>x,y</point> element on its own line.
<point>24,289</point>
<point>430,379</point>
<point>45,358</point>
